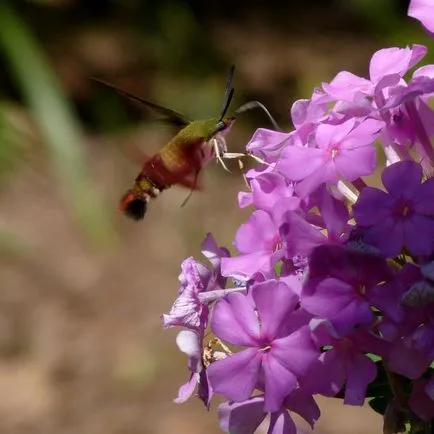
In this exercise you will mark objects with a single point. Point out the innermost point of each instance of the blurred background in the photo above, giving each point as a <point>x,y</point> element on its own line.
<point>82,288</point>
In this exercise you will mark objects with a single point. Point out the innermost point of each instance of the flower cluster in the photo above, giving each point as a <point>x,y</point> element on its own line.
<point>332,288</point>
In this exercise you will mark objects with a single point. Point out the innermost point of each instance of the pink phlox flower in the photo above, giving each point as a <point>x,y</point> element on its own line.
<point>401,217</point>
<point>276,354</point>
<point>343,152</point>
<point>245,417</point>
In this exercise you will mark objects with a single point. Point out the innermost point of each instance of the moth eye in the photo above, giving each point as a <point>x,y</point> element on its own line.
<point>221,125</point>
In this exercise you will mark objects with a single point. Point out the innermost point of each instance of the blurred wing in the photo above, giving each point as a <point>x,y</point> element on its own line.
<point>168,115</point>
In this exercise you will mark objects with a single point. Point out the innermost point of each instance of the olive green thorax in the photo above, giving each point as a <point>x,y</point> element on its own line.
<point>203,130</point>
<point>194,133</point>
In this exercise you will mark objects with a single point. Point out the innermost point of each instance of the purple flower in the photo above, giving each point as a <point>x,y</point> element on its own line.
<point>343,151</point>
<point>344,363</point>
<point>412,354</point>
<point>245,417</point>
<point>339,284</point>
<point>402,217</point>
<point>199,286</point>
<point>277,353</point>
<point>423,10</point>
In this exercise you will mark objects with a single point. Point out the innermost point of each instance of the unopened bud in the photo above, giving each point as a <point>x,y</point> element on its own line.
<point>419,295</point>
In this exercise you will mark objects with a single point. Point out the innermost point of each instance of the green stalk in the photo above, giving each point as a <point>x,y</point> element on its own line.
<point>54,116</point>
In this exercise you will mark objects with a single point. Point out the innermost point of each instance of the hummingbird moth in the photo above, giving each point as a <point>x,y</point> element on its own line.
<point>182,158</point>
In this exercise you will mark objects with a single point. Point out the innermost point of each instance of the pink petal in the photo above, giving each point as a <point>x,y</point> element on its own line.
<point>244,266</point>
<point>394,61</point>
<point>387,235</point>
<point>241,417</point>
<point>372,207</point>
<point>244,199</point>
<point>279,382</point>
<point>236,376</point>
<point>363,134</point>
<point>424,71</point>
<point>360,372</point>
<point>234,320</point>
<point>298,162</point>
<point>345,85</point>
<point>423,199</point>
<point>337,301</point>
<point>326,172</point>
<point>266,143</point>
<point>187,389</point>
<point>275,301</point>
<point>303,404</point>
<point>329,134</point>
<point>282,423</point>
<point>301,236</point>
<point>423,10</point>
<point>402,178</point>
<point>189,342</point>
<point>296,352</point>
<point>354,163</point>
<point>419,235</point>
<point>212,251</point>
<point>258,233</point>
<point>407,361</point>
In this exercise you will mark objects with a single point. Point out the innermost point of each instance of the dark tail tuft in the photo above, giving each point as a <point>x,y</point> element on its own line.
<point>132,206</point>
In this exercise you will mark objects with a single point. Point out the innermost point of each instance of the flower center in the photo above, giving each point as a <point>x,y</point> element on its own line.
<point>265,349</point>
<point>402,209</point>
<point>334,153</point>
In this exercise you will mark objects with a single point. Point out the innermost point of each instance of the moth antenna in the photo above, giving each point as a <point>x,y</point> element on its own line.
<point>229,92</point>
<point>256,104</point>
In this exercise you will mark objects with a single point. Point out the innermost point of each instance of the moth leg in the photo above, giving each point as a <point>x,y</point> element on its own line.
<point>193,188</point>
<point>193,184</point>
